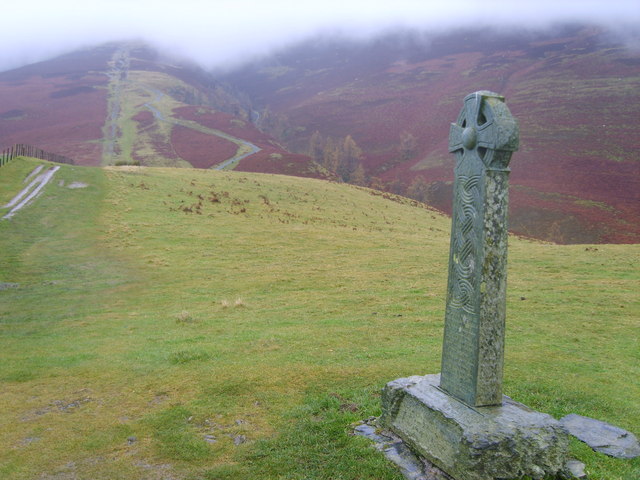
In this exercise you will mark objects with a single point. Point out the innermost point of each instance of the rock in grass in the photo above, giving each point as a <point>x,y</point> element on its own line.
<point>574,469</point>
<point>602,437</point>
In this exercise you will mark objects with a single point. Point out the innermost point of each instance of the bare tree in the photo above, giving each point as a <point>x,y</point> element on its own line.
<point>408,146</point>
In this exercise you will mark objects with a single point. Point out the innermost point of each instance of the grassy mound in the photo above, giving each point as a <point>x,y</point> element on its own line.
<point>189,324</point>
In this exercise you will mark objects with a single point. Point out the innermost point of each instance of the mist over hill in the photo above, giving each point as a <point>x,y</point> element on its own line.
<point>373,112</point>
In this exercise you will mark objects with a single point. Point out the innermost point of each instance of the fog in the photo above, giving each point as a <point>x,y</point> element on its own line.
<point>218,33</point>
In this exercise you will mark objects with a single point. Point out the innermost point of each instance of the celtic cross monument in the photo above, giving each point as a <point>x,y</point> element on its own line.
<point>483,139</point>
<point>460,420</point>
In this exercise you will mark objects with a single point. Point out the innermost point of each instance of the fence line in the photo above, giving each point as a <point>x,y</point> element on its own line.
<point>22,150</point>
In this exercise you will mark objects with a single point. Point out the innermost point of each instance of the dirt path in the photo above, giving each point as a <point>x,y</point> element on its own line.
<point>118,79</point>
<point>245,148</point>
<point>117,76</point>
<point>31,191</point>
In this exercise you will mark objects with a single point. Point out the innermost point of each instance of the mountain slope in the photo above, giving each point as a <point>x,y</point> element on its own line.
<point>575,91</point>
<point>124,103</point>
<point>59,105</point>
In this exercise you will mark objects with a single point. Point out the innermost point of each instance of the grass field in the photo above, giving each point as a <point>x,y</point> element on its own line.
<point>190,324</point>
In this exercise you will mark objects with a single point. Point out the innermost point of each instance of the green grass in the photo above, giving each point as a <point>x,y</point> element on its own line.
<point>223,325</point>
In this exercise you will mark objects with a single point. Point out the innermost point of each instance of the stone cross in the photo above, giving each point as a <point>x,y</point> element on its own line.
<point>483,140</point>
<point>459,420</point>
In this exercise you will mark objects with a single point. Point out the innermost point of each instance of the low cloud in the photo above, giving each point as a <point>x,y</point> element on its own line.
<point>223,32</point>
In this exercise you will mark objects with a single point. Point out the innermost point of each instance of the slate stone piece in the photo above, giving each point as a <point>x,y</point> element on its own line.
<point>411,467</point>
<point>574,469</point>
<point>483,443</point>
<point>602,437</point>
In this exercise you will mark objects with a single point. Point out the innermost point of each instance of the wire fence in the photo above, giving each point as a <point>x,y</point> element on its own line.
<point>22,150</point>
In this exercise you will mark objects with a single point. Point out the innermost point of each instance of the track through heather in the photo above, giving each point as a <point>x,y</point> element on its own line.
<point>245,148</point>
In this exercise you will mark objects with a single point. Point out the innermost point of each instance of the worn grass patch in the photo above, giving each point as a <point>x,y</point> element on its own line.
<point>176,438</point>
<point>316,441</point>
<point>197,324</point>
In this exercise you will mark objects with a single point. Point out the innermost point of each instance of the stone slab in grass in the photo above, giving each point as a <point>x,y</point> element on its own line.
<point>602,437</point>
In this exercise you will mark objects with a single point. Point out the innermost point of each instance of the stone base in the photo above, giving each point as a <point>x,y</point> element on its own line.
<point>484,443</point>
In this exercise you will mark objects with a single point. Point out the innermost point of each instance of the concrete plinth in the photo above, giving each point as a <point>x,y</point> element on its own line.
<point>482,443</point>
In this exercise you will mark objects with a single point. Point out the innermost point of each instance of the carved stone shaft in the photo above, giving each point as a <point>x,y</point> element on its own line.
<point>483,139</point>
<point>459,420</point>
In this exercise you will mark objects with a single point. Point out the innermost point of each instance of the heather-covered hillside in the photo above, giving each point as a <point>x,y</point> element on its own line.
<point>58,105</point>
<point>575,91</point>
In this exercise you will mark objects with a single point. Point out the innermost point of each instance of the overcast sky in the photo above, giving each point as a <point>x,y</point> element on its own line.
<point>216,32</point>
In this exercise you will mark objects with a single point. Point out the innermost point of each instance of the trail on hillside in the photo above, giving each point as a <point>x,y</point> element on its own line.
<point>245,148</point>
<point>117,75</point>
<point>31,191</point>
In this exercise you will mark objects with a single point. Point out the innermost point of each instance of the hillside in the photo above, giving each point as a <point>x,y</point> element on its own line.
<point>125,103</point>
<point>373,113</point>
<point>59,105</point>
<point>188,323</point>
<point>575,91</point>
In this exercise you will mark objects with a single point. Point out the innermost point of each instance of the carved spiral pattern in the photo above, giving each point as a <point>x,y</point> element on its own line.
<point>463,293</point>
